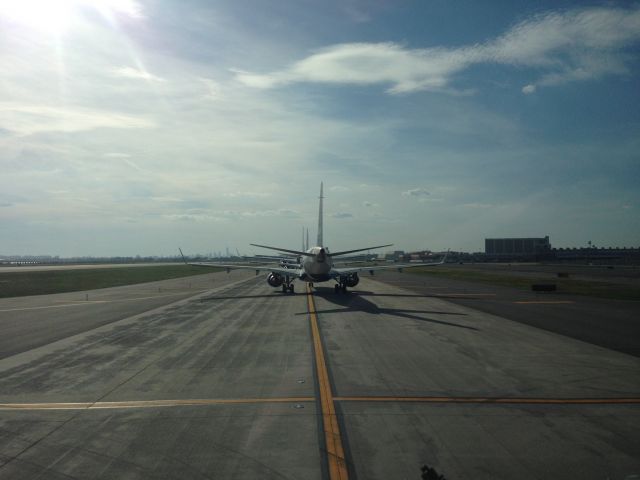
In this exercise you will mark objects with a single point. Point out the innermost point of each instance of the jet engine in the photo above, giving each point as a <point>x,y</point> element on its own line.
<point>351,280</point>
<point>275,279</point>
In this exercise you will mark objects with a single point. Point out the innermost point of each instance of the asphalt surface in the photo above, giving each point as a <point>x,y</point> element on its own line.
<point>609,323</point>
<point>32,321</point>
<point>237,380</point>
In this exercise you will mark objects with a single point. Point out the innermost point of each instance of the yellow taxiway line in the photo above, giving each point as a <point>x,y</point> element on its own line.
<point>332,426</point>
<point>149,403</point>
<point>333,440</point>
<point>496,400</point>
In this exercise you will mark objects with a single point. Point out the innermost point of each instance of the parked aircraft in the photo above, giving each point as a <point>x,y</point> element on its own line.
<point>316,264</point>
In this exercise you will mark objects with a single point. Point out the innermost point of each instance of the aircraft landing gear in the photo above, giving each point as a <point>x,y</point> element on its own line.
<point>340,288</point>
<point>288,287</point>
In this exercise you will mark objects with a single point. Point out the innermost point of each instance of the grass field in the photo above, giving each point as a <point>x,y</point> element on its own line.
<point>595,288</point>
<point>19,284</point>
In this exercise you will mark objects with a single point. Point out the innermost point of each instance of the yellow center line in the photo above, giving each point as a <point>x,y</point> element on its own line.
<point>497,400</point>
<point>148,403</point>
<point>389,399</point>
<point>333,440</point>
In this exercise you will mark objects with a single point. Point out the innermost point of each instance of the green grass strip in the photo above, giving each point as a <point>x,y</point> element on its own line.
<point>19,284</point>
<point>590,288</point>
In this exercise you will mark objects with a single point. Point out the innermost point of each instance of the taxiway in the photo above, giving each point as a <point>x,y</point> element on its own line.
<point>231,379</point>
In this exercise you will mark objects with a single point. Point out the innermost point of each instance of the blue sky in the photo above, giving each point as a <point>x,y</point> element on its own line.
<point>131,127</point>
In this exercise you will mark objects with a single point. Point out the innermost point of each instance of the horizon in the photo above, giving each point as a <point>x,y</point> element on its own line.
<point>222,254</point>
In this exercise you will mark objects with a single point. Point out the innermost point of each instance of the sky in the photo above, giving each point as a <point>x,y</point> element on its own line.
<point>134,127</point>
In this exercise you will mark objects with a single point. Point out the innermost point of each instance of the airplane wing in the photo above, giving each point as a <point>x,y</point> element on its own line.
<point>344,252</point>
<point>373,268</point>
<point>291,272</point>
<point>330,254</point>
<point>277,249</point>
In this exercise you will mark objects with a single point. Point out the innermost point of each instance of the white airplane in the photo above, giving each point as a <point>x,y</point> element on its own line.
<point>316,265</point>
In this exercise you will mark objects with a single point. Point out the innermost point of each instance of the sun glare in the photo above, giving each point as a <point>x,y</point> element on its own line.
<point>58,15</point>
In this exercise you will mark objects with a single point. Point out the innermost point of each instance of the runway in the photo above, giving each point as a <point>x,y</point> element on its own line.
<point>233,379</point>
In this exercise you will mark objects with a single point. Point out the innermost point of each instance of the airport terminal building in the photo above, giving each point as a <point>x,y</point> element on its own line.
<point>517,248</point>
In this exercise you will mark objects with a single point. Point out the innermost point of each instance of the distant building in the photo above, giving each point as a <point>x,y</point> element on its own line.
<point>396,256</point>
<point>517,248</point>
<point>598,255</point>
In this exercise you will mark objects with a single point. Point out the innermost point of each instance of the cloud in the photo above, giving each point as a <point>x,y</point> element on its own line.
<point>342,215</point>
<point>128,7</point>
<point>478,205</point>
<point>250,140</point>
<point>135,166</point>
<point>416,192</point>
<point>281,212</point>
<point>574,45</point>
<point>212,88</point>
<point>26,119</point>
<point>227,215</point>
<point>247,194</point>
<point>188,217</point>
<point>369,204</point>
<point>126,159</point>
<point>136,74</point>
<point>59,16</point>
<point>368,64</point>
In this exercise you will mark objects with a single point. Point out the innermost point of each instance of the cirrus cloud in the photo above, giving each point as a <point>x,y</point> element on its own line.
<point>136,74</point>
<point>27,119</point>
<point>574,45</point>
<point>416,192</point>
<point>342,215</point>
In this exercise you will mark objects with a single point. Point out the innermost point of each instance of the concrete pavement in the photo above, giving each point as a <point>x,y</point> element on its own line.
<point>226,384</point>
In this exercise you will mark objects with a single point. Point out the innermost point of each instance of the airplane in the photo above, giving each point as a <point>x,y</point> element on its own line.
<point>316,265</point>
<point>288,259</point>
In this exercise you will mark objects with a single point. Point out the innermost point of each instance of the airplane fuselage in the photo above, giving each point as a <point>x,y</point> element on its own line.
<point>318,265</point>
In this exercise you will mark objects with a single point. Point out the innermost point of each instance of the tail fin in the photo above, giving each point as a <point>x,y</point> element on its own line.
<point>320,242</point>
